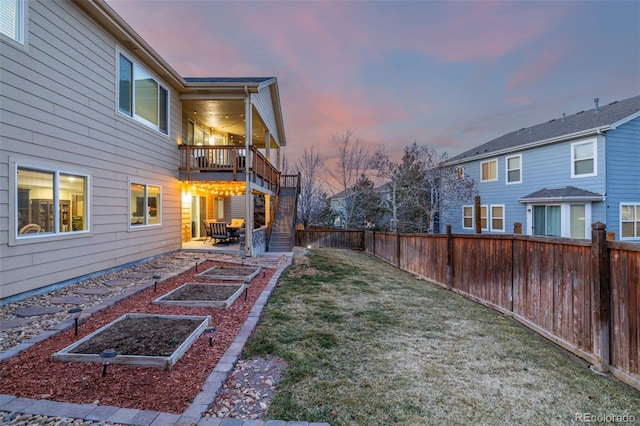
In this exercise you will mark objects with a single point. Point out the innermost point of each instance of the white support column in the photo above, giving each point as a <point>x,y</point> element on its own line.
<point>248,247</point>
<point>267,145</point>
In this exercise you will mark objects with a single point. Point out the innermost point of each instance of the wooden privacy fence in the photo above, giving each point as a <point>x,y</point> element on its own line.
<point>583,295</point>
<point>329,238</point>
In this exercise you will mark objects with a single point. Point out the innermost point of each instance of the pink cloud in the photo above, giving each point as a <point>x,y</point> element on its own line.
<point>534,70</point>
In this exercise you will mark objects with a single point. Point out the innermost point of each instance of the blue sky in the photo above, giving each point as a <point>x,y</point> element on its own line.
<point>448,74</point>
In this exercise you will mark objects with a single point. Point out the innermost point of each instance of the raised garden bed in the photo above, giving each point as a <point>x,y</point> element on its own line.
<point>212,295</point>
<point>149,340</point>
<point>230,273</point>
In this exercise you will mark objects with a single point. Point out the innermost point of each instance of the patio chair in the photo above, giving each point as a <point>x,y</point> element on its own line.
<point>207,229</point>
<point>219,232</point>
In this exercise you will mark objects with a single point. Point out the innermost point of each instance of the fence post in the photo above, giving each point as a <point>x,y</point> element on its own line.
<point>397,247</point>
<point>449,258</point>
<point>477,206</point>
<point>374,243</point>
<point>600,299</point>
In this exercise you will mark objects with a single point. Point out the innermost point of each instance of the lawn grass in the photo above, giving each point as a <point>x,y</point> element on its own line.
<point>368,344</point>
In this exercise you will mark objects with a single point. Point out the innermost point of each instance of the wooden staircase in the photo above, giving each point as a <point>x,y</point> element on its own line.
<point>282,231</point>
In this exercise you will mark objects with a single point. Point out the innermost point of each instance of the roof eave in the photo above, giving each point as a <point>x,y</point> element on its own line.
<point>103,14</point>
<point>561,199</point>
<point>562,138</point>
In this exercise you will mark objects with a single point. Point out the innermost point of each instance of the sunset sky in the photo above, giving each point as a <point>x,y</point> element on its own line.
<point>448,74</point>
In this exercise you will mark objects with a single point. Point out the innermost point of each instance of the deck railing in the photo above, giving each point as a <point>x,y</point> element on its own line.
<point>223,158</point>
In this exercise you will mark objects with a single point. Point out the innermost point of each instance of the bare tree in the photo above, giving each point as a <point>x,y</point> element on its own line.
<point>350,164</point>
<point>312,201</point>
<point>424,187</point>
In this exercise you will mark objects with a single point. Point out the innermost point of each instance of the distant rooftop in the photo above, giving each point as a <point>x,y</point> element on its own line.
<point>594,118</point>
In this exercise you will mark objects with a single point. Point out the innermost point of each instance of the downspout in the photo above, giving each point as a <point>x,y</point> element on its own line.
<point>248,163</point>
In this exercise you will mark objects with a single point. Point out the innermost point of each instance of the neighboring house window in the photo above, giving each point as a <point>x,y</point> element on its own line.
<point>497,218</point>
<point>12,19</point>
<point>583,159</point>
<point>630,220</point>
<point>547,220</point>
<point>50,202</point>
<point>489,171</point>
<point>467,217</point>
<point>514,169</point>
<point>578,221</point>
<point>483,217</point>
<point>141,97</point>
<point>145,204</point>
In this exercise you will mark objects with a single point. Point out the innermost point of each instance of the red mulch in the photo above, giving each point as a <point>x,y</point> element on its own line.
<point>33,375</point>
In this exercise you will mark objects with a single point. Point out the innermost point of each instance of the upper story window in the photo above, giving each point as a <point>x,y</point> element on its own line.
<point>50,202</point>
<point>583,159</point>
<point>145,204</point>
<point>630,220</point>
<point>513,166</point>
<point>141,97</point>
<point>489,171</point>
<point>12,19</point>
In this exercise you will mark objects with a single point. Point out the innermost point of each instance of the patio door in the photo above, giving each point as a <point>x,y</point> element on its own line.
<point>198,214</point>
<point>547,221</point>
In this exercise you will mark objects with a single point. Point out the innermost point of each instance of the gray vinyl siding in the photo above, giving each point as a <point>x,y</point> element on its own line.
<point>623,166</point>
<point>264,105</point>
<point>546,166</point>
<point>58,106</point>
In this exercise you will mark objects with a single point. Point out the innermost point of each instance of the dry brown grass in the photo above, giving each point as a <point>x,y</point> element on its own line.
<point>368,344</point>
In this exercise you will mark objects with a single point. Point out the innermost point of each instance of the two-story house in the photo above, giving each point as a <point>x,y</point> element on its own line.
<point>109,156</point>
<point>559,177</point>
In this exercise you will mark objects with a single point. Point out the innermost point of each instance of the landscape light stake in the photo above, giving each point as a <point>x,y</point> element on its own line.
<point>106,355</point>
<point>246,289</point>
<point>76,313</point>
<point>209,330</point>
<point>155,284</point>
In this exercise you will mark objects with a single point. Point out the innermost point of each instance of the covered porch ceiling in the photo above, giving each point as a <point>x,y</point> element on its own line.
<point>226,116</point>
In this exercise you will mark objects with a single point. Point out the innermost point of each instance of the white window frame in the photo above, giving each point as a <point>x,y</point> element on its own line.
<point>636,219</point>
<point>507,170</point>
<point>161,86</point>
<point>565,217</point>
<point>19,21</point>
<point>484,207</point>
<point>494,160</point>
<point>503,218</point>
<point>594,144</point>
<point>14,237</point>
<point>472,217</point>
<point>145,224</point>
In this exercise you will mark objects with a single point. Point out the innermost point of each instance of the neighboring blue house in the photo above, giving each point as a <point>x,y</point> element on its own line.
<point>559,177</point>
